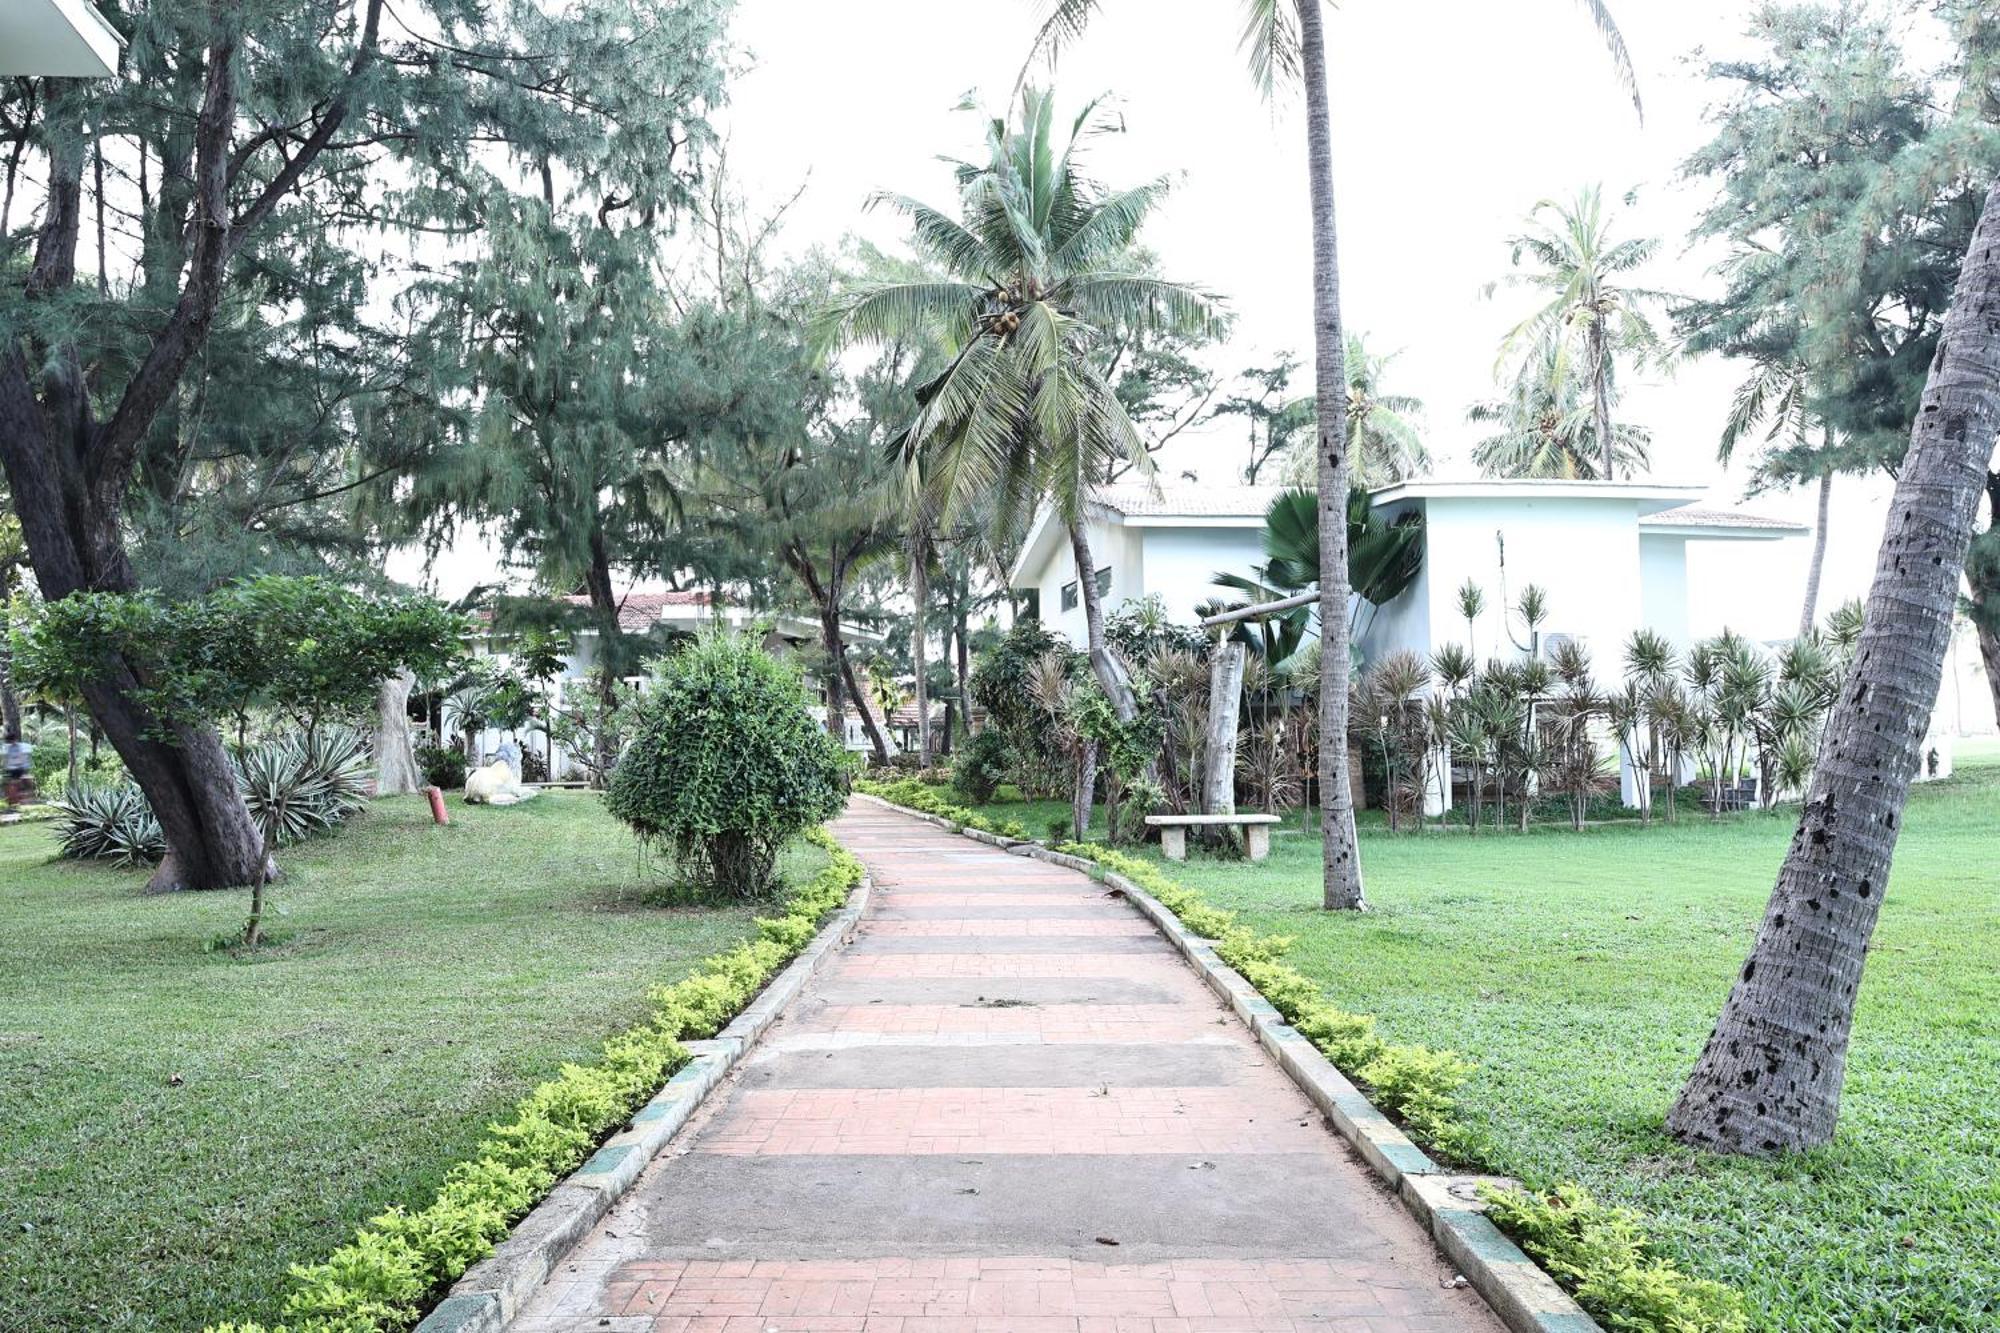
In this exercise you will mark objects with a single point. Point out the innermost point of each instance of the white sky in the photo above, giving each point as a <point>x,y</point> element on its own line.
<point>1451,120</point>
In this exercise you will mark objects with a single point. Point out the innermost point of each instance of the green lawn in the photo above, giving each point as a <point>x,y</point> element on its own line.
<point>1583,972</point>
<point>177,1125</point>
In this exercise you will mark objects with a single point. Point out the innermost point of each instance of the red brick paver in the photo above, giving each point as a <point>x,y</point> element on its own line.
<point>847,1178</point>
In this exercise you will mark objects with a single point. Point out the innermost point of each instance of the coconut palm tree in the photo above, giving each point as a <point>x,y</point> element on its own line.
<point>1591,316</point>
<point>1547,428</point>
<point>1770,1078</point>
<point>1286,42</point>
<point>1041,263</point>
<point>1382,444</point>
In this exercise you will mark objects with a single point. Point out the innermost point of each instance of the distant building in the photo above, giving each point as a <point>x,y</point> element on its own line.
<point>56,39</point>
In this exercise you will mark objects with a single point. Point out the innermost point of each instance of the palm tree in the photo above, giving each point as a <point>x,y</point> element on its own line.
<point>1287,42</point>
<point>1770,1077</point>
<point>1590,316</point>
<point>1041,264</point>
<point>1382,444</point>
<point>1547,429</point>
<point>1775,398</point>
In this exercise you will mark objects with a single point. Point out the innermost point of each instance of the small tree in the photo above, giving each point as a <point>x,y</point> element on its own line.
<point>726,762</point>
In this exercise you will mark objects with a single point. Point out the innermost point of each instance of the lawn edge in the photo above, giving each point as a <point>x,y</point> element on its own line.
<point>489,1295</point>
<point>1525,1297</point>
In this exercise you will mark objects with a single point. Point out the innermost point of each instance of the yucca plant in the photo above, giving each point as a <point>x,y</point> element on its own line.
<point>301,785</point>
<point>111,823</point>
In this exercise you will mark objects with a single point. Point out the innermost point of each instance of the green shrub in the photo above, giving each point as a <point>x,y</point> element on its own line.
<point>112,823</point>
<point>1600,1253</point>
<point>726,762</point>
<point>980,766</point>
<point>443,765</point>
<point>379,1281</point>
<point>301,785</point>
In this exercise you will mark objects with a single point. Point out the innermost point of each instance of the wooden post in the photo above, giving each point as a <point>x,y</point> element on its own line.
<point>1225,692</point>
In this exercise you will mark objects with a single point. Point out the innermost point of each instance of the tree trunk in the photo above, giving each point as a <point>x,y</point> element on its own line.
<point>1989,654</point>
<point>604,606</point>
<point>920,593</point>
<point>1811,608</point>
<point>1600,378</point>
<point>876,740</point>
<point>1085,794</point>
<point>10,703</point>
<point>396,772</point>
<point>1339,853</point>
<point>1225,694</point>
<point>1770,1078</point>
<point>1104,662</point>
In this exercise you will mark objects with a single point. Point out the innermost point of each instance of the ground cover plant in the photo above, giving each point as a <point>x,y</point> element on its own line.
<point>182,1124</point>
<point>1581,974</point>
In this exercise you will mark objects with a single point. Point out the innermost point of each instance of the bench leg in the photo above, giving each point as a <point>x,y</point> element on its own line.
<point>1257,841</point>
<point>1173,844</point>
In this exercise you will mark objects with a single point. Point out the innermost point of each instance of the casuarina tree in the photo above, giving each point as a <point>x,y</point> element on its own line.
<point>1770,1077</point>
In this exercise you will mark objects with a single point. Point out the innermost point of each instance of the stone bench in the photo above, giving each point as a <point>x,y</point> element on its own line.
<point>1173,832</point>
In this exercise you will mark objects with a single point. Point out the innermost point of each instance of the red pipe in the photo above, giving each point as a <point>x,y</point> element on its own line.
<point>437,805</point>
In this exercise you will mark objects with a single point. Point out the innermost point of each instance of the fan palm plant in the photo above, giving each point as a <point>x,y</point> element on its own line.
<point>1041,263</point>
<point>1592,315</point>
<point>1284,43</point>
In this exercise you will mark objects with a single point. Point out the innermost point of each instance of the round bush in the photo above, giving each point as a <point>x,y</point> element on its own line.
<point>980,766</point>
<point>726,762</point>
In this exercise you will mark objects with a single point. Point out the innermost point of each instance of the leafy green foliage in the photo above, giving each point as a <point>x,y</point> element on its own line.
<point>917,795</point>
<point>378,1282</point>
<point>1003,683</point>
<point>1600,1253</point>
<point>726,762</point>
<point>303,645</point>
<point>979,766</point>
<point>443,765</point>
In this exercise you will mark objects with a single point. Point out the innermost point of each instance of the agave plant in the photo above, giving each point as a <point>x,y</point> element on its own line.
<point>302,785</point>
<point>111,823</point>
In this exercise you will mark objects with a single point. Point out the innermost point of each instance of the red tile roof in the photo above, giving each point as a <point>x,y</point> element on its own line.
<point>640,611</point>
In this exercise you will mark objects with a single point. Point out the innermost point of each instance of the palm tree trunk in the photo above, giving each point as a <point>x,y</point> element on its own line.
<point>1770,1077</point>
<point>1339,854</point>
<point>920,593</point>
<point>1600,375</point>
<point>1811,608</point>
<point>1104,663</point>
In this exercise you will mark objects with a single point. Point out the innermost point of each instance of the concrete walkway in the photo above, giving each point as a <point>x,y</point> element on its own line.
<point>1008,1105</point>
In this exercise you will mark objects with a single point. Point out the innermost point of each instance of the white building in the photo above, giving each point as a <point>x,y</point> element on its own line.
<point>1610,557</point>
<point>56,38</point>
<point>1167,542</point>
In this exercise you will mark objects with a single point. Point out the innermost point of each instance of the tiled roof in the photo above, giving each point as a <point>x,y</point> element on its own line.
<point>1141,500</point>
<point>640,611</point>
<point>1689,516</point>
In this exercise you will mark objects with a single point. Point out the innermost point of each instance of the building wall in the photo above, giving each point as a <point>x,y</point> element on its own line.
<point>1180,565</point>
<point>1664,584</point>
<point>1583,553</point>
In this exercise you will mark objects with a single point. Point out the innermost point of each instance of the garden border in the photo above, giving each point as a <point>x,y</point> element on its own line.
<point>489,1295</point>
<point>1444,1203</point>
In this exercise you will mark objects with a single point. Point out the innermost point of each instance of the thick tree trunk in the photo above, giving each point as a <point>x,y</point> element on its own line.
<point>1600,386</point>
<point>1225,696</point>
<point>836,689</point>
<point>876,740</point>
<point>1339,853</point>
<point>396,772</point>
<point>10,703</point>
<point>1770,1077</point>
<point>604,607</point>
<point>1104,663</point>
<point>1989,654</point>
<point>1085,794</point>
<point>1810,610</point>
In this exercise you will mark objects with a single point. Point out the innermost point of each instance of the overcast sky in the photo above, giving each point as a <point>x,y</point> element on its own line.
<point>1451,119</point>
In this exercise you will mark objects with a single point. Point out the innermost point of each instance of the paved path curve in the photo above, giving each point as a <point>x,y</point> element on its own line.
<point>1008,1105</point>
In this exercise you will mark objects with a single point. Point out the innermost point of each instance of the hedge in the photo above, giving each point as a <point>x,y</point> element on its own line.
<point>398,1262</point>
<point>1599,1253</point>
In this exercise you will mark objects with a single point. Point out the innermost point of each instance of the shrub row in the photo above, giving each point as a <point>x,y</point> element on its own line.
<point>1598,1253</point>
<point>918,795</point>
<point>381,1280</point>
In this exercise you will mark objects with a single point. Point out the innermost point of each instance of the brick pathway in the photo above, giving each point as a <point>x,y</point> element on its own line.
<point>1008,1105</point>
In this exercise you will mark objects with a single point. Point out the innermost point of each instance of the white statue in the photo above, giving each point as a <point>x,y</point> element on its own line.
<point>496,784</point>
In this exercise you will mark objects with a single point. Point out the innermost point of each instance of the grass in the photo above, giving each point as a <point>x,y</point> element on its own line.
<point>1584,971</point>
<point>180,1124</point>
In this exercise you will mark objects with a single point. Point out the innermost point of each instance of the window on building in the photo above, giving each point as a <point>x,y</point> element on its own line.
<point>1104,581</point>
<point>1069,597</point>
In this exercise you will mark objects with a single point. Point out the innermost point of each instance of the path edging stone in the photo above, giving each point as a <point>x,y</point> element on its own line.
<point>488,1295</point>
<point>1525,1297</point>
